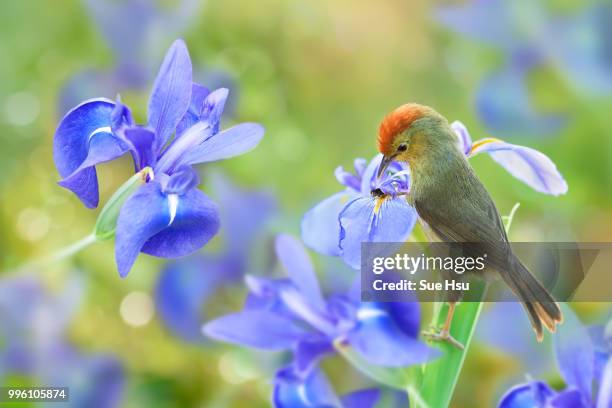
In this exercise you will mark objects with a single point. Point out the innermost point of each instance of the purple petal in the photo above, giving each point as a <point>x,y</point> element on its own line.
<point>103,147</point>
<point>244,215</point>
<point>369,220</point>
<point>195,222</point>
<point>181,181</point>
<point>504,104</point>
<point>361,399</point>
<point>581,47</point>
<point>171,93</point>
<point>575,353</point>
<point>465,141</point>
<point>604,398</point>
<point>528,165</point>
<point>183,288</point>
<point>360,165</point>
<point>487,21</point>
<point>231,142</point>
<point>121,116</point>
<point>143,141</point>
<point>142,216</point>
<point>198,95</point>
<point>71,145</point>
<point>378,339</point>
<point>175,155</point>
<point>294,258</point>
<point>257,329</point>
<point>309,352</point>
<point>534,394</point>
<point>370,174</point>
<point>213,108</point>
<point>569,398</point>
<point>347,179</point>
<point>96,381</point>
<point>320,225</point>
<point>405,315</point>
<point>293,391</point>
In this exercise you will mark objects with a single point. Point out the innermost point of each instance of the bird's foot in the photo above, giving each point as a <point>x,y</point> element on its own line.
<point>443,335</point>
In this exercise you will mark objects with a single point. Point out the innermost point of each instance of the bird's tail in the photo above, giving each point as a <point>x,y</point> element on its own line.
<point>540,305</point>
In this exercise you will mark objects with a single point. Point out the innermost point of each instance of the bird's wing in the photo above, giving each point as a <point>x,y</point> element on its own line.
<point>473,224</point>
<point>469,216</point>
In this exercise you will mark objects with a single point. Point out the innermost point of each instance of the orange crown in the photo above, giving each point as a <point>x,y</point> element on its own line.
<point>396,122</point>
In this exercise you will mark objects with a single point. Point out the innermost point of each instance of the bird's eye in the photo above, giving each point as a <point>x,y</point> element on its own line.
<point>402,147</point>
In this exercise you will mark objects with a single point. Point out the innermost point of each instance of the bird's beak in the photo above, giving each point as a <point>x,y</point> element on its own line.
<point>386,161</point>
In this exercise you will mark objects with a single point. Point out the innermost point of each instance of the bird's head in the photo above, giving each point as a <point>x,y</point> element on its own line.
<point>410,132</point>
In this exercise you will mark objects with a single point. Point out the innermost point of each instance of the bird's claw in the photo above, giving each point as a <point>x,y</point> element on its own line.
<point>443,335</point>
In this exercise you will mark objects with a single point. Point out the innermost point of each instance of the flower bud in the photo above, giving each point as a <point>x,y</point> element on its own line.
<point>107,220</point>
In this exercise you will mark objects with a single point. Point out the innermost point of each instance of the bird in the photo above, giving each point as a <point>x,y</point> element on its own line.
<point>453,206</point>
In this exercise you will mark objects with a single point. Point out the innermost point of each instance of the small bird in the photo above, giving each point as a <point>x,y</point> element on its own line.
<point>454,206</point>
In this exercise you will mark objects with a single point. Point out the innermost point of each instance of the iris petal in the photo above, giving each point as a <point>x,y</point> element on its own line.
<point>505,106</point>
<point>604,398</point>
<point>183,288</point>
<point>231,142</point>
<point>361,399</point>
<point>528,165</point>
<point>257,329</point>
<point>378,339</point>
<point>575,353</point>
<point>569,398</point>
<point>320,225</point>
<point>369,175</point>
<point>244,214</point>
<point>534,394</point>
<point>294,391</point>
<point>347,179</point>
<point>373,220</point>
<point>142,216</point>
<point>465,141</point>
<point>213,107</point>
<point>194,223</point>
<point>294,258</point>
<point>171,93</point>
<point>198,95</point>
<point>103,147</point>
<point>71,146</point>
<point>308,352</point>
<point>143,142</point>
<point>181,181</point>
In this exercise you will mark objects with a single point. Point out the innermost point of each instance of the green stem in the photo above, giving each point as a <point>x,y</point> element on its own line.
<point>60,255</point>
<point>440,377</point>
<point>70,250</point>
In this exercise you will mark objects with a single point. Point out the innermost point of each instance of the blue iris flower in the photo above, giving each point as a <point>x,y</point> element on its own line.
<point>584,358</point>
<point>168,216</point>
<point>185,286</point>
<point>295,390</point>
<point>33,344</point>
<point>293,315</point>
<point>338,225</point>
<point>376,210</point>
<point>531,36</point>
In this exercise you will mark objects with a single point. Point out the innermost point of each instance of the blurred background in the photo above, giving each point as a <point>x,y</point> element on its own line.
<point>319,76</point>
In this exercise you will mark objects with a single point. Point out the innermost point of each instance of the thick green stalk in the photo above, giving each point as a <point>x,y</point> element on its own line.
<point>440,377</point>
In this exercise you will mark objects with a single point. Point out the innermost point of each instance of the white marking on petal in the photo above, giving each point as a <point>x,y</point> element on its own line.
<point>173,202</point>
<point>369,313</point>
<point>105,129</point>
<point>303,394</point>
